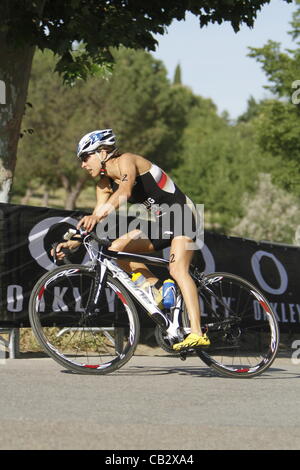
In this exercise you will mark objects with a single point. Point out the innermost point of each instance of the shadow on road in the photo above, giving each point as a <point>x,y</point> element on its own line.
<point>273,373</point>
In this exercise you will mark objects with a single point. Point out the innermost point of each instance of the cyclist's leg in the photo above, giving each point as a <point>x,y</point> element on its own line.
<point>180,259</point>
<point>135,242</point>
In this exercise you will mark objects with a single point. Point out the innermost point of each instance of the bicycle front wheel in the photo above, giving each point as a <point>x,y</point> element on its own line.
<point>96,343</point>
<point>241,326</point>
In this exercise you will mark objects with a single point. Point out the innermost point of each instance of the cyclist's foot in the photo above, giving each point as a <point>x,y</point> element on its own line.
<point>192,341</point>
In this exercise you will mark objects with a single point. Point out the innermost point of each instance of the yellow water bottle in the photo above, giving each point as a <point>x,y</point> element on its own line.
<point>138,279</point>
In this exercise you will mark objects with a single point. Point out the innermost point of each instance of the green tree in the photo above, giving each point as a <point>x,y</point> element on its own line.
<point>270,214</point>
<point>138,101</point>
<point>99,25</point>
<point>177,75</point>
<point>277,124</point>
<point>46,157</point>
<point>220,164</point>
<point>253,109</point>
<point>147,113</point>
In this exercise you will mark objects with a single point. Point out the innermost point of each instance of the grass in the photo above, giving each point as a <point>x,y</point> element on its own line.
<point>85,201</point>
<point>28,343</point>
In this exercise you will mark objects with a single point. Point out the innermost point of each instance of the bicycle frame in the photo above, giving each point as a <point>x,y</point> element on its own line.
<point>104,264</point>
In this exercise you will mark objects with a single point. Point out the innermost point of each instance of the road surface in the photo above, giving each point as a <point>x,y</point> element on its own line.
<point>154,402</point>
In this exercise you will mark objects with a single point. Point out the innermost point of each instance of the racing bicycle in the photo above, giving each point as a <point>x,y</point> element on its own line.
<point>85,316</point>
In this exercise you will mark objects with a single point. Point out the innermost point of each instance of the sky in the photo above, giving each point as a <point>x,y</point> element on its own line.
<point>214,62</point>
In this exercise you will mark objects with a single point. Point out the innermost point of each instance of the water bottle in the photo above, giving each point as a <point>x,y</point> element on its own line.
<point>169,293</point>
<point>138,279</point>
<point>141,282</point>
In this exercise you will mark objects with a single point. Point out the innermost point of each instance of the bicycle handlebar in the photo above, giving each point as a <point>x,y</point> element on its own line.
<point>70,235</point>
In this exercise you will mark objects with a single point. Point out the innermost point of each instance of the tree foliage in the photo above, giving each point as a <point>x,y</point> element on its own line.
<point>212,160</point>
<point>146,112</point>
<point>177,75</point>
<point>102,24</point>
<point>272,212</point>
<point>269,214</point>
<point>98,26</point>
<point>220,164</point>
<point>277,124</point>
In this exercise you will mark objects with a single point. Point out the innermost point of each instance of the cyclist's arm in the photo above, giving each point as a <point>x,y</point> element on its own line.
<point>103,193</point>
<point>127,168</point>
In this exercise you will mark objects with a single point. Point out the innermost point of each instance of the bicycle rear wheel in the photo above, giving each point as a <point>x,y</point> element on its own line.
<point>98,343</point>
<point>241,325</point>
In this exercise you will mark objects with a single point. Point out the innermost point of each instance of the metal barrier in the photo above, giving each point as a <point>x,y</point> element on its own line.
<point>13,342</point>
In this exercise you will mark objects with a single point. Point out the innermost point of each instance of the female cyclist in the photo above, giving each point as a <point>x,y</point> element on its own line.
<point>130,177</point>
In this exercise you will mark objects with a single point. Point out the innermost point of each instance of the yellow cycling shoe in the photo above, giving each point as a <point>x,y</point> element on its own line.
<point>192,341</point>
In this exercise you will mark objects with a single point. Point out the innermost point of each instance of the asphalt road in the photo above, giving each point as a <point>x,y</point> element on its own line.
<point>152,403</point>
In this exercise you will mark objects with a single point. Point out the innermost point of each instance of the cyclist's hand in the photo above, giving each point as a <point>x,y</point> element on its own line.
<point>88,222</point>
<point>70,245</point>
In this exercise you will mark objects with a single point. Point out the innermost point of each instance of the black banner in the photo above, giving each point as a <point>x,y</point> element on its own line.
<point>27,233</point>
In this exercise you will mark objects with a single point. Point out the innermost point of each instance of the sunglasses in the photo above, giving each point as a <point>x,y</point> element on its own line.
<point>85,156</point>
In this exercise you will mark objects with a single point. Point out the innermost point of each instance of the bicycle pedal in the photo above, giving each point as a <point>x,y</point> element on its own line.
<point>183,355</point>
<point>189,350</point>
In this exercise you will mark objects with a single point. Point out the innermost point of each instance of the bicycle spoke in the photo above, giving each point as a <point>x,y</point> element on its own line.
<point>71,333</point>
<point>240,344</point>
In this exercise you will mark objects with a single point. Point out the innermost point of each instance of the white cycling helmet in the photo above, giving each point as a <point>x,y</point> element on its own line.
<point>93,140</point>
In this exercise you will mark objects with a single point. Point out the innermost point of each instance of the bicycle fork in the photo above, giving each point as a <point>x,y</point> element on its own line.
<point>98,289</point>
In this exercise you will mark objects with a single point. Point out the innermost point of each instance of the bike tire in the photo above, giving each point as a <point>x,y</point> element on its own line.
<point>96,344</point>
<point>241,325</point>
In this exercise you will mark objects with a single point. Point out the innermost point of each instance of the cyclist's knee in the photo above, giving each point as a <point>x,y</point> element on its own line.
<point>117,245</point>
<point>177,270</point>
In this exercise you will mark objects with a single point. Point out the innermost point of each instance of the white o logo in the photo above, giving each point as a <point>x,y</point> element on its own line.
<point>210,266</point>
<point>255,262</point>
<point>14,298</point>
